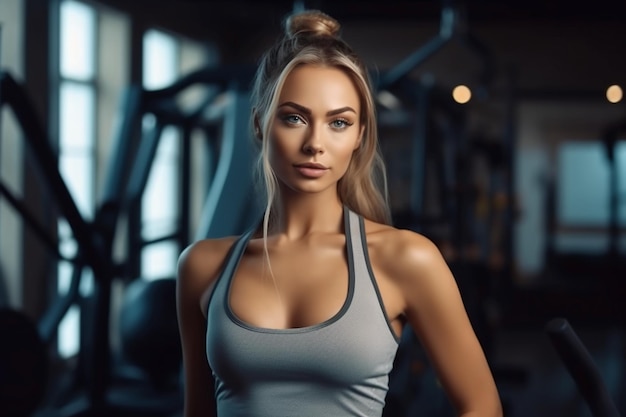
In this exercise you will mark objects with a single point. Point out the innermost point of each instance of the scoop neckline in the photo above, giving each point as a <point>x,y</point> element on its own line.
<point>305,329</point>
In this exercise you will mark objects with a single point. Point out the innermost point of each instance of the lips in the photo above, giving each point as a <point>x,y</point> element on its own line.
<point>312,165</point>
<point>311,169</point>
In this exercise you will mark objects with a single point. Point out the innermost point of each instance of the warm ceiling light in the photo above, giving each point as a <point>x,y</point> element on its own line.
<point>461,94</point>
<point>614,94</point>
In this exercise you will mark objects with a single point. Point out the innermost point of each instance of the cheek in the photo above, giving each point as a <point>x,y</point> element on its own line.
<point>345,154</point>
<point>275,154</point>
<point>281,145</point>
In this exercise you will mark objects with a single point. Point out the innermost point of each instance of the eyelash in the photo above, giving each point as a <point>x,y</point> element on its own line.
<point>345,123</point>
<point>290,118</point>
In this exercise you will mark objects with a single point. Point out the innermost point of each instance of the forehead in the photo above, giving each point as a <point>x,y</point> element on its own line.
<point>320,86</point>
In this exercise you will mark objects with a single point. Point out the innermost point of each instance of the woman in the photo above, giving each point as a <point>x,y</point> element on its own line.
<point>302,315</point>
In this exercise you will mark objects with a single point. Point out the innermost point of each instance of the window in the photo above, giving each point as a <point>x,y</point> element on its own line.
<point>160,200</point>
<point>584,193</point>
<point>93,71</point>
<point>77,144</point>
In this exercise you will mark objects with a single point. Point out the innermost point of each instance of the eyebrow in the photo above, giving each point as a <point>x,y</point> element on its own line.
<point>307,111</point>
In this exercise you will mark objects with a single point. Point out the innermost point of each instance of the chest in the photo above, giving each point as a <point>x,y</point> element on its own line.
<point>336,340</point>
<point>314,327</point>
<point>298,287</point>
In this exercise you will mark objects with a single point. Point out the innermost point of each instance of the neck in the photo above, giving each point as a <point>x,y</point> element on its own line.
<point>306,214</point>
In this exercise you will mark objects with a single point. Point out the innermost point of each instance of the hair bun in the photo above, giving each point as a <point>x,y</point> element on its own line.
<point>312,22</point>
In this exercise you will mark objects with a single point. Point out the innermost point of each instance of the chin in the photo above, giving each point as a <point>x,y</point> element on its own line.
<point>306,188</point>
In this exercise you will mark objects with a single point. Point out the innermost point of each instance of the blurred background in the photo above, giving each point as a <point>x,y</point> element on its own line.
<point>124,136</point>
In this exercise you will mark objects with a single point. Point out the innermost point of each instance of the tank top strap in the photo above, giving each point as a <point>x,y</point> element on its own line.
<point>366,287</point>
<point>353,229</point>
<point>232,260</point>
<point>236,252</point>
<point>356,246</point>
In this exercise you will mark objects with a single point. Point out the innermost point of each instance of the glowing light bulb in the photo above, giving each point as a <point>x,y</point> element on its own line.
<point>461,94</point>
<point>614,93</point>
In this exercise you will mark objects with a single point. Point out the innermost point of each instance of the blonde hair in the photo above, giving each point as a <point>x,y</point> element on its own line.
<point>312,38</point>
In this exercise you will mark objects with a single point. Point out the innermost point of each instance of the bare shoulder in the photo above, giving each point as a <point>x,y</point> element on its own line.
<point>199,265</point>
<point>404,246</point>
<point>420,284</point>
<point>406,256</point>
<point>204,257</point>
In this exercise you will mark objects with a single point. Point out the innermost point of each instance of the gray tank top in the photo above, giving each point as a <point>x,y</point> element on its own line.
<point>332,369</point>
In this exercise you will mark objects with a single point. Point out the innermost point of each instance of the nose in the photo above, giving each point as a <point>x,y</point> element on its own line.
<point>313,143</point>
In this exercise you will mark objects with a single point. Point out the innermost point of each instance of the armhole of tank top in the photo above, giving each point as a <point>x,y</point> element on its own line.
<point>370,272</point>
<point>207,294</point>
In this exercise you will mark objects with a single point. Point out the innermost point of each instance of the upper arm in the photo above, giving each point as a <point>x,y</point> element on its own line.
<point>435,310</point>
<point>197,268</point>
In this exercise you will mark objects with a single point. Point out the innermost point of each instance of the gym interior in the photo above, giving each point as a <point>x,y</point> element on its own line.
<point>124,137</point>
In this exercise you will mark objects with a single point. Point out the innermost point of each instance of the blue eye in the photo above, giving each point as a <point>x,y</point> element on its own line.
<point>293,119</point>
<point>340,124</point>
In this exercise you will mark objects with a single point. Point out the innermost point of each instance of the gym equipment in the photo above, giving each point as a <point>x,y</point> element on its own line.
<point>442,202</point>
<point>149,330</point>
<point>91,251</point>
<point>451,28</point>
<point>90,391</point>
<point>438,135</point>
<point>227,210</point>
<point>23,365</point>
<point>472,225</point>
<point>581,367</point>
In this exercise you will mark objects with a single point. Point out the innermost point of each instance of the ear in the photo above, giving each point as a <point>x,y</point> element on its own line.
<point>358,142</point>
<point>258,132</point>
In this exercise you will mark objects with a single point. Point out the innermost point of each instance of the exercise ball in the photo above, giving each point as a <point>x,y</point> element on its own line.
<point>149,337</point>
